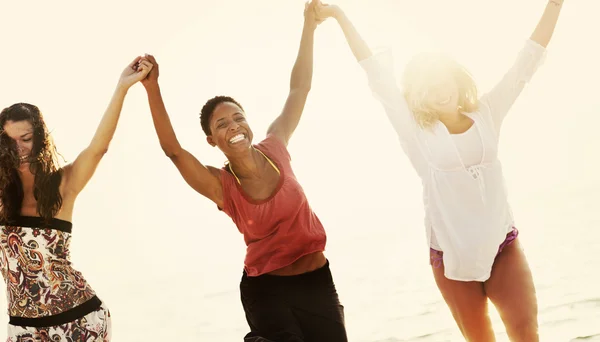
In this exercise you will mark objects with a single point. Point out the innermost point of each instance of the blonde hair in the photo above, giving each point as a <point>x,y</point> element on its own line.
<point>420,75</point>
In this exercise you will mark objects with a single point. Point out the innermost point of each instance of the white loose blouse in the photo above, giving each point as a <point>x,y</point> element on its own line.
<point>467,215</point>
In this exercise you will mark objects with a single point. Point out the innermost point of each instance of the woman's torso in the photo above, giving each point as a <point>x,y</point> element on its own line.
<point>466,206</point>
<point>36,267</point>
<point>282,233</point>
<point>35,260</point>
<point>29,204</point>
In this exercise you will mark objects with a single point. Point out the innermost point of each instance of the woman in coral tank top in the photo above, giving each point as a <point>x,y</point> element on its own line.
<point>287,289</point>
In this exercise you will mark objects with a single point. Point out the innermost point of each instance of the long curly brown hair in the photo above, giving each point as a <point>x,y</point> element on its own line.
<point>43,164</point>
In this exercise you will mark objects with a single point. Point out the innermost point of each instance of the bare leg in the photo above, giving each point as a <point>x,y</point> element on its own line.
<point>511,290</point>
<point>468,303</point>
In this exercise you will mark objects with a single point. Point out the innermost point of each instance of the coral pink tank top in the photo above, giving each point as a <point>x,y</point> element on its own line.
<point>280,229</point>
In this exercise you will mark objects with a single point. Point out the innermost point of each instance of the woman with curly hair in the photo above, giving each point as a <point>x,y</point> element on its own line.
<point>48,300</point>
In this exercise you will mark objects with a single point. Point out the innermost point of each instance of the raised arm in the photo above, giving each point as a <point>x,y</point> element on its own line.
<point>545,27</point>
<point>500,99</point>
<point>300,83</point>
<point>381,76</point>
<point>203,179</point>
<point>78,173</point>
<point>380,72</point>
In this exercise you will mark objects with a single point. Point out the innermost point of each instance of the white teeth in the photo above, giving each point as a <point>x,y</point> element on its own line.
<point>236,138</point>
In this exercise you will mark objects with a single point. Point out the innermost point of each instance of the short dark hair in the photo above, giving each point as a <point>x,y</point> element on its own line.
<point>209,108</point>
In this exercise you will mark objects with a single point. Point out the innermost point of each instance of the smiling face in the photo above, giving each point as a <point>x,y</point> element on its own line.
<point>435,85</point>
<point>442,95</point>
<point>229,129</point>
<point>21,132</point>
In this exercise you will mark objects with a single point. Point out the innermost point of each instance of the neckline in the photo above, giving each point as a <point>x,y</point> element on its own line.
<point>267,158</point>
<point>38,222</point>
<point>54,219</point>
<point>474,122</point>
<point>469,130</point>
<point>277,167</point>
<point>475,125</point>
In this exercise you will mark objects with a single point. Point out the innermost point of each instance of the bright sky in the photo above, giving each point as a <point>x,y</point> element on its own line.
<point>66,58</point>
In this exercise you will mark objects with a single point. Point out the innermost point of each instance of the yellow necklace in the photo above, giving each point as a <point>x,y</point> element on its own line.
<point>267,158</point>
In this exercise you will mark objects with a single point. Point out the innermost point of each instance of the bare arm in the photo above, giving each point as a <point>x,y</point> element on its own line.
<point>500,99</point>
<point>379,69</point>
<point>545,27</point>
<point>205,180</point>
<point>301,80</point>
<point>78,174</point>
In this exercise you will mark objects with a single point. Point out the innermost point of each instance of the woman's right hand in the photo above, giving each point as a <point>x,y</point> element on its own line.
<point>152,78</point>
<point>324,11</point>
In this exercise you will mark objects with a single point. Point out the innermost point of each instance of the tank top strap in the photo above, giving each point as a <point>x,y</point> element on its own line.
<point>264,155</point>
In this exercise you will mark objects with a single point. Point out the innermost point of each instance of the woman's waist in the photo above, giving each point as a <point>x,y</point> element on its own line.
<point>304,264</point>
<point>454,165</point>
<point>38,302</point>
<point>293,257</point>
<point>67,311</point>
<point>307,267</point>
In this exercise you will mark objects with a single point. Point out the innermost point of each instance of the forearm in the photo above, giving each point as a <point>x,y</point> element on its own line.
<point>359,47</point>
<point>108,124</point>
<point>545,27</point>
<point>162,123</point>
<point>302,72</point>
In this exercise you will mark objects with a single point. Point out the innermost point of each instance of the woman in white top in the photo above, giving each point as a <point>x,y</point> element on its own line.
<point>451,138</point>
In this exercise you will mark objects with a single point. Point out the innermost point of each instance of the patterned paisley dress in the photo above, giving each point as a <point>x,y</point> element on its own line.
<point>48,300</point>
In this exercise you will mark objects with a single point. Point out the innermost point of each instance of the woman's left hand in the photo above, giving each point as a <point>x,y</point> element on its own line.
<point>310,14</point>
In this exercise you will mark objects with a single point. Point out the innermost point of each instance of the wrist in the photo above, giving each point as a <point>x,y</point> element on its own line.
<point>152,87</point>
<point>122,88</point>
<point>338,13</point>
<point>310,25</point>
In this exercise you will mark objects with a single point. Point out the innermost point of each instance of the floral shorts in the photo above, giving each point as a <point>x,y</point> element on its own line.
<point>93,327</point>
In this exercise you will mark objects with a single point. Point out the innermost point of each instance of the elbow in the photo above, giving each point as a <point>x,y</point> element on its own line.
<point>170,151</point>
<point>300,89</point>
<point>98,151</point>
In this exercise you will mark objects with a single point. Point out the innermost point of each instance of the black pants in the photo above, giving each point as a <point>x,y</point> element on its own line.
<point>299,308</point>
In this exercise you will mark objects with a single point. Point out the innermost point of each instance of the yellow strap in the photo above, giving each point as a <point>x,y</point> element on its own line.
<point>267,158</point>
